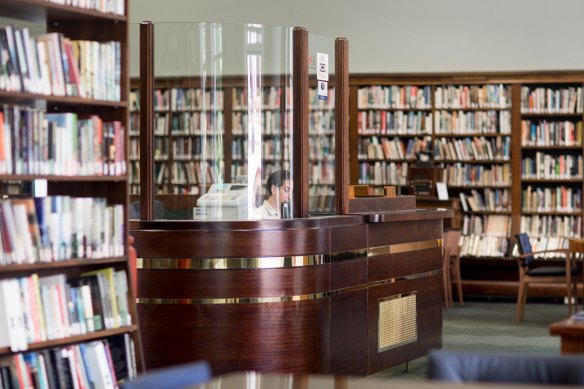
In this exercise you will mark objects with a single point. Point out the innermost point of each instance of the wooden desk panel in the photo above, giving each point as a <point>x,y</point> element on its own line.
<point>572,335</point>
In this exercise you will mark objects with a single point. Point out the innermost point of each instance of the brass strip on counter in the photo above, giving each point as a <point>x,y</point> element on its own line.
<point>282,299</point>
<point>248,263</point>
<point>404,247</point>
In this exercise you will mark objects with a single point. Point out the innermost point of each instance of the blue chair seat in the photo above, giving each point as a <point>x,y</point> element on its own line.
<point>509,368</point>
<point>175,377</point>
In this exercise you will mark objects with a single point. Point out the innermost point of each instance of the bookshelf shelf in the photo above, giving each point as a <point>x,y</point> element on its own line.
<point>54,343</point>
<point>71,263</point>
<point>29,177</point>
<point>41,11</point>
<point>24,97</point>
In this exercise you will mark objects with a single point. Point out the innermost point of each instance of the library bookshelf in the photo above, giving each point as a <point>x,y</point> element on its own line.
<point>67,311</point>
<point>184,111</point>
<point>510,146</point>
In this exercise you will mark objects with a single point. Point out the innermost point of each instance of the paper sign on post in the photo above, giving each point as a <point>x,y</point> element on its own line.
<point>322,90</point>
<point>322,72</point>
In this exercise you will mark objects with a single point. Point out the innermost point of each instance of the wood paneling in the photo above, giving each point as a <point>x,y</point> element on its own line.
<point>382,267</point>
<point>429,321</point>
<point>282,337</point>
<point>328,331</point>
<point>234,283</point>
<point>349,353</point>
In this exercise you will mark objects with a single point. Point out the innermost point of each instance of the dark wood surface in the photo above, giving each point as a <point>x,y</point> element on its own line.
<point>300,121</point>
<point>325,324</point>
<point>571,333</point>
<point>147,120</point>
<point>342,125</point>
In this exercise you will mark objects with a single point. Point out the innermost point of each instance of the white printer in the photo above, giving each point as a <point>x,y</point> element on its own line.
<point>226,201</point>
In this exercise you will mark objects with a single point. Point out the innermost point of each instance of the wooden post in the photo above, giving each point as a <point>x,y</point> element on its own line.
<point>300,118</point>
<point>342,126</point>
<point>146,120</point>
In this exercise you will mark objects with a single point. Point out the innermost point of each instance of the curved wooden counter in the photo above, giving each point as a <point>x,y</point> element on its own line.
<point>322,295</point>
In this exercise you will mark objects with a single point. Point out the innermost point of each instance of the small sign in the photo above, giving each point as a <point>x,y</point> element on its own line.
<point>322,90</point>
<point>322,73</point>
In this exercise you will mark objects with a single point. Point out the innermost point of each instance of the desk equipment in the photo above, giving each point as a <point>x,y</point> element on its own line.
<point>225,201</point>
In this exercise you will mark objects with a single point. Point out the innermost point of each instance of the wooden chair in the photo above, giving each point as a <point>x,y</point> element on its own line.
<point>530,271</point>
<point>451,267</point>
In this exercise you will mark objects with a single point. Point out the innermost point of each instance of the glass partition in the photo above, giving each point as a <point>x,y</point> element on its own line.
<point>223,123</point>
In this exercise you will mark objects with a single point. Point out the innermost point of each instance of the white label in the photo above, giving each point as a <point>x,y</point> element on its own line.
<point>322,90</point>
<point>322,72</point>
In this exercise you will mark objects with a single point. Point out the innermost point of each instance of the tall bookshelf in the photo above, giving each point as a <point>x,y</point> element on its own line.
<point>66,296</point>
<point>551,162</point>
<point>180,166</point>
<point>509,145</point>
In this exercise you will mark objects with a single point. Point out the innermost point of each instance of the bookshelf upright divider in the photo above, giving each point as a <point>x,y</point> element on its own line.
<point>66,291</point>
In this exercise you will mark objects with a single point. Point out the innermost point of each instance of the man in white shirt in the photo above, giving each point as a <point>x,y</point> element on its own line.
<point>279,188</point>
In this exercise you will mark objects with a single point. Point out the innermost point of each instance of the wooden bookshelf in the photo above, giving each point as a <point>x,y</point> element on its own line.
<point>46,259</point>
<point>501,132</point>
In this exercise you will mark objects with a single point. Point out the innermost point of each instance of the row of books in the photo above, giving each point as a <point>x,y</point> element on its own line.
<point>494,200</point>
<point>161,149</point>
<point>189,99</point>
<point>395,97</point>
<point>97,364</point>
<point>321,198</point>
<point>557,199</point>
<point>391,149</point>
<point>270,123</point>
<point>52,64</point>
<point>105,6</point>
<point>161,124</point>
<point>239,169</point>
<point>551,100</point>
<point>487,225</point>
<point>461,122</point>
<point>55,228</point>
<point>546,226</point>
<point>270,97</point>
<point>484,246</point>
<point>319,148</point>
<point>34,142</point>
<point>543,243</point>
<point>37,309</point>
<point>467,175</point>
<point>551,133</point>
<point>550,166</point>
<point>390,123</point>
<point>316,103</point>
<point>475,245</point>
<point>472,96</point>
<point>196,172</point>
<point>197,123</point>
<point>321,172</point>
<point>321,123</point>
<point>383,173</point>
<point>473,149</point>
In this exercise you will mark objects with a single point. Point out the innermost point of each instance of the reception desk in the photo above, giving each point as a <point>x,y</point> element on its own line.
<point>350,294</point>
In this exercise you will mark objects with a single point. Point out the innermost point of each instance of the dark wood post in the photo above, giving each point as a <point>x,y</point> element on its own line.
<point>342,126</point>
<point>300,118</point>
<point>146,120</point>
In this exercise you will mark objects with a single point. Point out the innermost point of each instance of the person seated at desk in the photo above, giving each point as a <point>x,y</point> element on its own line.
<point>279,188</point>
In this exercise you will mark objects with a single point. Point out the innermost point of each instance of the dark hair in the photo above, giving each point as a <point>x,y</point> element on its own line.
<point>277,178</point>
